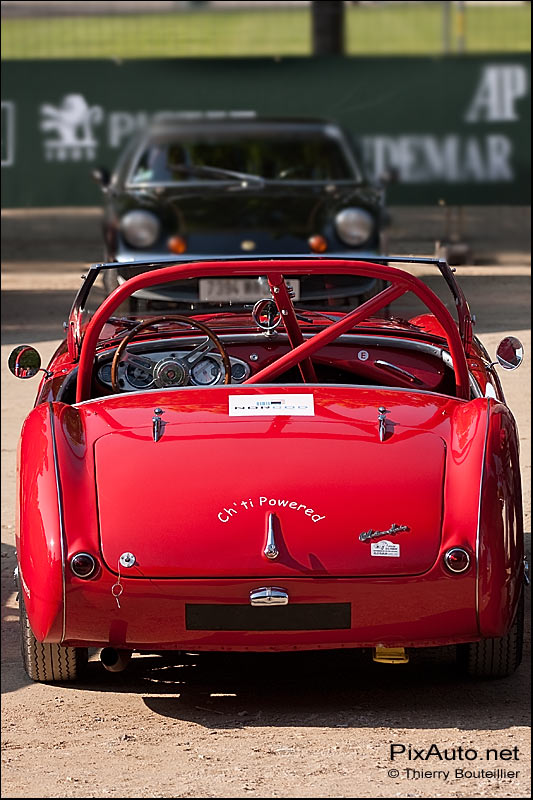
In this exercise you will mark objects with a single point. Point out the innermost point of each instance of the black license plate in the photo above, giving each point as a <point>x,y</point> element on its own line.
<point>297,617</point>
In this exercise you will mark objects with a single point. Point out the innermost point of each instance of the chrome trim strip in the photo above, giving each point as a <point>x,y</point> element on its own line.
<point>479,508</point>
<point>278,387</point>
<point>474,386</point>
<point>62,535</point>
<point>386,365</point>
<point>356,338</point>
<point>150,343</point>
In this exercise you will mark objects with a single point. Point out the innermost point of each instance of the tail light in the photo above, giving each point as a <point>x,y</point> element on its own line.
<point>457,560</point>
<point>83,565</point>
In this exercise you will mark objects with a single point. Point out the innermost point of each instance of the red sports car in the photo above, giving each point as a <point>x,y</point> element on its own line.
<point>259,476</point>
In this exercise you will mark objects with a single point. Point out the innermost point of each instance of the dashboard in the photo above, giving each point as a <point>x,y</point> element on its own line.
<point>164,368</point>
<point>352,358</point>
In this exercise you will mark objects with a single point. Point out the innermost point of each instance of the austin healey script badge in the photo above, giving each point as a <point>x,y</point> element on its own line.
<point>372,534</point>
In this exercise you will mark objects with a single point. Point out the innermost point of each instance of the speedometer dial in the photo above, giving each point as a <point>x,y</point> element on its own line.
<point>206,372</point>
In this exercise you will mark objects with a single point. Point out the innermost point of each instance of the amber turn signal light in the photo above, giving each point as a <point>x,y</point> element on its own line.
<point>177,244</point>
<point>318,244</point>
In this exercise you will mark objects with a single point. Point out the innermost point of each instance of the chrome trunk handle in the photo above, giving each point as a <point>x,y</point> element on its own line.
<point>269,596</point>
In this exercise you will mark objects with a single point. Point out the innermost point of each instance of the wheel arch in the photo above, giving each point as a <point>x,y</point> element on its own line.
<point>501,536</point>
<point>39,526</point>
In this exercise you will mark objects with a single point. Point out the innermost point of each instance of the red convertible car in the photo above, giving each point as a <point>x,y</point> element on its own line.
<point>265,476</point>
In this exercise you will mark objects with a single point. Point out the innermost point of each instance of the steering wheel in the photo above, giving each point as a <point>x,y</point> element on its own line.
<point>169,371</point>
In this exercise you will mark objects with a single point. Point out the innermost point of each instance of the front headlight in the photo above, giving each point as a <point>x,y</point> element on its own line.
<point>354,226</point>
<point>140,228</point>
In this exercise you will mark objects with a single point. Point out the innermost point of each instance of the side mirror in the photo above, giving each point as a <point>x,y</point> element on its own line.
<point>266,315</point>
<point>510,353</point>
<point>102,176</point>
<point>24,361</point>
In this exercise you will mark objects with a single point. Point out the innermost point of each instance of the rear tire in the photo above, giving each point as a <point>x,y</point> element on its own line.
<point>49,662</point>
<point>495,658</point>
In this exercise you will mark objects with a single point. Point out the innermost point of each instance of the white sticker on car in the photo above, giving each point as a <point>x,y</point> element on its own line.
<point>267,405</point>
<point>385,548</point>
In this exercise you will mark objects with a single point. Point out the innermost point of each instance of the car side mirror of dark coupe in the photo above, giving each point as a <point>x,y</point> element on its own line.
<point>24,361</point>
<point>102,176</point>
<point>510,352</point>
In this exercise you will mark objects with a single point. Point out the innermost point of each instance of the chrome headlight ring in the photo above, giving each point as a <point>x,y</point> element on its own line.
<point>140,228</point>
<point>354,226</point>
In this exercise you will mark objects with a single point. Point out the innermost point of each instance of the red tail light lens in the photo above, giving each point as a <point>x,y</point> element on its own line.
<point>83,565</point>
<point>457,560</point>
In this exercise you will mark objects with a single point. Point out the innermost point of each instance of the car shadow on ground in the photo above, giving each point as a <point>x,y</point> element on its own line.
<point>340,689</point>
<point>335,688</point>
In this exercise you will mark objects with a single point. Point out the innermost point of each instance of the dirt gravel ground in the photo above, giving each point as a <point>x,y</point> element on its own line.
<point>245,725</point>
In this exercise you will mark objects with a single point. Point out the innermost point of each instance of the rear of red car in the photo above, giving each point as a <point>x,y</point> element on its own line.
<point>256,531</point>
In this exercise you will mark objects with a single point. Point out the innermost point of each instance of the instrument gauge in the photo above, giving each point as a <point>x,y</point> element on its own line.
<point>104,373</point>
<point>206,372</point>
<point>238,371</point>
<point>138,377</point>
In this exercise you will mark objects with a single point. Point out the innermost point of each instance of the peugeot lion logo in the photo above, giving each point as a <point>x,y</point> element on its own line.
<point>72,121</point>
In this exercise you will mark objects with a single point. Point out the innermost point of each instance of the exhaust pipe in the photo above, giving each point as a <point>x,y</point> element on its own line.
<point>115,660</point>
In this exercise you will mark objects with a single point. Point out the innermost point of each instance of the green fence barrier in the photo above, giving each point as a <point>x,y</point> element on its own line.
<point>456,128</point>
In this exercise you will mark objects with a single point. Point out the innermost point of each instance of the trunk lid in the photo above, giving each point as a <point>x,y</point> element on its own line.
<point>200,501</point>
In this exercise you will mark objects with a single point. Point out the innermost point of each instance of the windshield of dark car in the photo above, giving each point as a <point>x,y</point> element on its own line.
<point>288,157</point>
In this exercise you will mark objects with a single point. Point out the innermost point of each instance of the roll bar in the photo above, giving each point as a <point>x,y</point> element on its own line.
<point>401,282</point>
